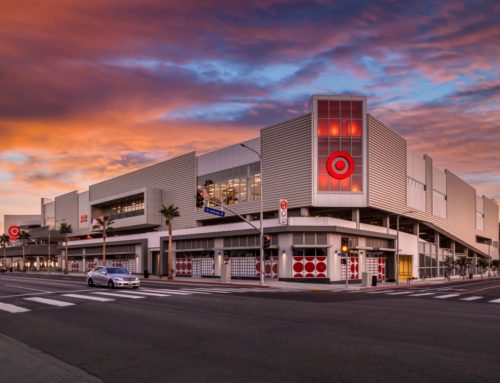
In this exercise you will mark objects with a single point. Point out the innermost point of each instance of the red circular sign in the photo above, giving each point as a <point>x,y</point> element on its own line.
<point>340,165</point>
<point>284,204</point>
<point>14,232</point>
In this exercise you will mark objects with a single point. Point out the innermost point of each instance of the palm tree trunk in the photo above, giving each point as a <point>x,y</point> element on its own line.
<point>104,248</point>
<point>24,259</point>
<point>66,256</point>
<point>169,259</point>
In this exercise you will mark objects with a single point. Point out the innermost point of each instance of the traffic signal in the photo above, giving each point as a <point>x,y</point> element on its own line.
<point>267,241</point>
<point>344,245</point>
<point>200,201</point>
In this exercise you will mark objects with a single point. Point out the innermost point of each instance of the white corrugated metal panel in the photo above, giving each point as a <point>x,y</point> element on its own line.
<point>490,218</point>
<point>228,157</point>
<point>438,204</point>
<point>84,220</point>
<point>67,209</point>
<point>387,186</point>
<point>438,180</point>
<point>415,194</point>
<point>415,167</point>
<point>479,221</point>
<point>49,212</point>
<point>386,167</point>
<point>287,163</point>
<point>428,184</point>
<point>479,204</point>
<point>175,177</point>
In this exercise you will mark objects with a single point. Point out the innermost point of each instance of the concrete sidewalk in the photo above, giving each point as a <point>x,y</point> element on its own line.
<point>22,363</point>
<point>317,286</point>
<point>352,286</point>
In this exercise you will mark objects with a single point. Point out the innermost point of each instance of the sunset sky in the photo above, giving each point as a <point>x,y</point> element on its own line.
<point>95,88</point>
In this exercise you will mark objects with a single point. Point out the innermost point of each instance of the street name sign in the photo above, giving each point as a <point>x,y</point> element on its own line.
<point>216,212</point>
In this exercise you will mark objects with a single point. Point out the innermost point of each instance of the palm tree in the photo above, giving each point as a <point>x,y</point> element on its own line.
<point>104,226</point>
<point>169,213</point>
<point>24,236</point>
<point>4,240</point>
<point>65,229</point>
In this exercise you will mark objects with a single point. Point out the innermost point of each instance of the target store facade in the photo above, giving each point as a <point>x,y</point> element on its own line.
<point>348,180</point>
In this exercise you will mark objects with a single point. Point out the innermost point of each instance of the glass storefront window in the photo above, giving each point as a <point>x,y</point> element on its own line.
<point>232,186</point>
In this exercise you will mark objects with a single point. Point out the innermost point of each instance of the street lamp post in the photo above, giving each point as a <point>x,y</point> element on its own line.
<point>261,226</point>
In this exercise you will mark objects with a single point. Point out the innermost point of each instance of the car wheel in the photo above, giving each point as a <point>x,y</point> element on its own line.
<point>90,282</point>
<point>111,284</point>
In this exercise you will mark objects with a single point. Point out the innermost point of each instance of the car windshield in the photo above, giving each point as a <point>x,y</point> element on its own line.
<point>116,270</point>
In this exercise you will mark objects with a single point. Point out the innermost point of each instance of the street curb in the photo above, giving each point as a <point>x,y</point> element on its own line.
<point>204,283</point>
<point>428,284</point>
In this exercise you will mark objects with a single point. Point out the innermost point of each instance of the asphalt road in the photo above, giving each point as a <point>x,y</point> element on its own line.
<point>196,333</point>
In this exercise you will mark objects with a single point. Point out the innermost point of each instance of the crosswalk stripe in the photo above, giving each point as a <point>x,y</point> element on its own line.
<point>146,293</point>
<point>210,290</point>
<point>12,308</point>
<point>195,291</point>
<point>446,296</point>
<point>400,293</point>
<point>51,302</point>
<point>167,291</point>
<point>495,301</point>
<point>119,295</point>
<point>473,298</point>
<point>421,294</point>
<point>88,297</point>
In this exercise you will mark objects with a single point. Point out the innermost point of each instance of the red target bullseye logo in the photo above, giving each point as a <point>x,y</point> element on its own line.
<point>340,165</point>
<point>14,232</point>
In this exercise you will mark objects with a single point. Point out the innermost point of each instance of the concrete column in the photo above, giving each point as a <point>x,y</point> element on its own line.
<point>438,253</point>
<point>355,217</point>
<point>218,255</point>
<point>304,212</point>
<point>416,229</point>
<point>386,222</point>
<point>37,263</point>
<point>285,254</point>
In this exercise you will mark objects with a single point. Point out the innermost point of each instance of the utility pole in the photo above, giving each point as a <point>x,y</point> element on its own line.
<point>261,226</point>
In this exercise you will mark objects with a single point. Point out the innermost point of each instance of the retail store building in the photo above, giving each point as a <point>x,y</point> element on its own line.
<point>344,174</point>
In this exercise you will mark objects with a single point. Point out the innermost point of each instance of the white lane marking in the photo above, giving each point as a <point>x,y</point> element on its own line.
<point>167,291</point>
<point>31,294</point>
<point>379,292</point>
<point>40,280</point>
<point>446,296</point>
<point>421,294</point>
<point>195,292</point>
<point>473,298</point>
<point>90,298</point>
<point>12,308</point>
<point>400,293</point>
<point>119,295</point>
<point>495,301</point>
<point>208,290</point>
<point>146,293</point>
<point>51,302</point>
<point>28,288</point>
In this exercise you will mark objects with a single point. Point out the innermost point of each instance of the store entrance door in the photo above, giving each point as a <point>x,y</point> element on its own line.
<point>405,267</point>
<point>155,262</point>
